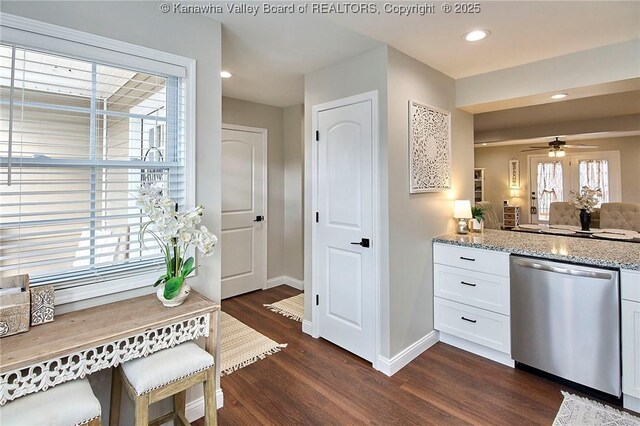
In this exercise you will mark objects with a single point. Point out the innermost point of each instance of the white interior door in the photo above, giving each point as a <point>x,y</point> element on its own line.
<point>344,224</point>
<point>244,229</point>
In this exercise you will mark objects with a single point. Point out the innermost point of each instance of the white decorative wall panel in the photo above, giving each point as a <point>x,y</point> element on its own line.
<point>429,148</point>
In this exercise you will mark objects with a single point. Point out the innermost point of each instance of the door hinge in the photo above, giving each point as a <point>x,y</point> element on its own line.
<point>317,299</point>
<point>317,217</point>
<point>317,135</point>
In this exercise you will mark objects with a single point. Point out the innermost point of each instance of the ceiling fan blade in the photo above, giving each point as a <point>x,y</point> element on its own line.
<point>534,149</point>
<point>580,146</point>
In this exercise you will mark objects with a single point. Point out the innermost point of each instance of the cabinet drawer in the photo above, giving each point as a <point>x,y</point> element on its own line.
<point>630,285</point>
<point>484,291</point>
<point>476,325</point>
<point>487,261</point>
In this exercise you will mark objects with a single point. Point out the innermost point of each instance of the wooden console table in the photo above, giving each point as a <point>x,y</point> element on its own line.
<point>89,340</point>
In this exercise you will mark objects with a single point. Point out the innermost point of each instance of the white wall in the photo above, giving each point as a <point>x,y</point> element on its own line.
<point>196,37</point>
<point>414,219</point>
<point>601,67</point>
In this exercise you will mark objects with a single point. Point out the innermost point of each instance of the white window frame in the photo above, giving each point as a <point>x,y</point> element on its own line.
<point>81,45</point>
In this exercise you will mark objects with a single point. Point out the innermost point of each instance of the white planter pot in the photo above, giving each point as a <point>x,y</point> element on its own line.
<point>176,301</point>
<point>476,226</point>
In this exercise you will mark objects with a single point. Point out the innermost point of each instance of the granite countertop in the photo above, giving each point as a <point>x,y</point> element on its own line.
<point>612,254</point>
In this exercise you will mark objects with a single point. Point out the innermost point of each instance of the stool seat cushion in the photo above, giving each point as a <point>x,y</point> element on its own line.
<point>68,404</point>
<point>166,366</point>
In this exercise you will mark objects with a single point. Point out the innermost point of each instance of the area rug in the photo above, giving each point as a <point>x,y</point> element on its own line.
<point>579,411</point>
<point>292,307</point>
<point>242,345</point>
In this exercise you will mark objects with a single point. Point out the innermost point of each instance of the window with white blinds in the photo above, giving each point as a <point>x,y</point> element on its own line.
<point>77,140</point>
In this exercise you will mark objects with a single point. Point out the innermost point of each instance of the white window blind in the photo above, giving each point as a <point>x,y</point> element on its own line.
<point>77,139</point>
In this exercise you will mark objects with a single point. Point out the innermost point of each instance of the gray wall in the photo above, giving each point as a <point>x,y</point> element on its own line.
<point>244,113</point>
<point>293,191</point>
<point>495,160</point>
<point>359,74</point>
<point>191,36</point>
<point>415,218</point>
<point>284,159</point>
<point>408,222</point>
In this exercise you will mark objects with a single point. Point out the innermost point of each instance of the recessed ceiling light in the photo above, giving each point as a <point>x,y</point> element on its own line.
<point>476,35</point>
<point>225,74</point>
<point>484,144</point>
<point>559,96</point>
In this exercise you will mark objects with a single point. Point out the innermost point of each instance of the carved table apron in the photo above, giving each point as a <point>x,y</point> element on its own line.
<point>90,340</point>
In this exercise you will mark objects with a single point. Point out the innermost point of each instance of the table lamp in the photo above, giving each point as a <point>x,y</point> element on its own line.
<point>462,212</point>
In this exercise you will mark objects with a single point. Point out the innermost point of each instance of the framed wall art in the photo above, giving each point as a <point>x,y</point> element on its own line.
<point>429,148</point>
<point>514,174</point>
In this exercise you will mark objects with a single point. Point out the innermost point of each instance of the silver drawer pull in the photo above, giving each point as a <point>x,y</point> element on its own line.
<point>469,284</point>
<point>467,258</point>
<point>470,320</point>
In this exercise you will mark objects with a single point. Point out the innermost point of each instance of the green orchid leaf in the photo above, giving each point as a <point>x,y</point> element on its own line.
<point>172,287</point>
<point>162,278</point>
<point>188,267</point>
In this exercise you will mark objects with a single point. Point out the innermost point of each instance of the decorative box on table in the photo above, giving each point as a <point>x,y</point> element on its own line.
<point>42,304</point>
<point>14,305</point>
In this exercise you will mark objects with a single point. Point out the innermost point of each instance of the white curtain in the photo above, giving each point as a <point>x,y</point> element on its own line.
<point>549,187</point>
<point>595,174</point>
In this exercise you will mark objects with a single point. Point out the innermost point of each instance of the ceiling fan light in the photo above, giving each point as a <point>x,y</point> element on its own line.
<point>560,153</point>
<point>552,153</point>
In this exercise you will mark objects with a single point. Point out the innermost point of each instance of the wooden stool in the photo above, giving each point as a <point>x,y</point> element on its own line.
<point>166,373</point>
<point>69,404</point>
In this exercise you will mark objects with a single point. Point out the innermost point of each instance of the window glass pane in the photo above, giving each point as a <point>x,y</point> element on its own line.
<point>84,138</point>
<point>549,187</point>
<point>594,174</point>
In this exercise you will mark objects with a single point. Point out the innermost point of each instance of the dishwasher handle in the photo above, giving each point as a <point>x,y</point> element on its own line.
<point>560,270</point>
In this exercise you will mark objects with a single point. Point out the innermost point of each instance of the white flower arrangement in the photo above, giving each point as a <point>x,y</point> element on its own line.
<point>587,199</point>
<point>175,233</point>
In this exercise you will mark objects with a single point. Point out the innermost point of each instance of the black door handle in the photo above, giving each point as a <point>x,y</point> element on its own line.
<point>259,219</point>
<point>470,320</point>
<point>363,242</point>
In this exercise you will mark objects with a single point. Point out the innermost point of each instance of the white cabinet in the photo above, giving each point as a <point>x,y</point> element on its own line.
<point>630,286</point>
<point>471,300</point>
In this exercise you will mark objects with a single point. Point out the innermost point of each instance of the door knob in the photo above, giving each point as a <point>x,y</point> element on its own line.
<point>363,242</point>
<point>259,219</point>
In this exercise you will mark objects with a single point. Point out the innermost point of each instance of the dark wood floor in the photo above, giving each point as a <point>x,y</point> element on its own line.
<point>314,382</point>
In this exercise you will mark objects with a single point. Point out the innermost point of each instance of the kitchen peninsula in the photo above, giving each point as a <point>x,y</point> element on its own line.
<point>474,292</point>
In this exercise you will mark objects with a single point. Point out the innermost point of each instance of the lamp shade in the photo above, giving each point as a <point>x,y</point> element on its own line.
<point>462,209</point>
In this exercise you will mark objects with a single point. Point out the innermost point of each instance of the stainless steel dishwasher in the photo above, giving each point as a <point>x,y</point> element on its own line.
<point>565,320</point>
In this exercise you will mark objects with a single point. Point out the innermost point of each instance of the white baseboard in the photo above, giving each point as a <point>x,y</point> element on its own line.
<point>411,352</point>
<point>307,327</point>
<point>631,403</point>
<point>286,280</point>
<point>483,351</point>
<point>195,409</point>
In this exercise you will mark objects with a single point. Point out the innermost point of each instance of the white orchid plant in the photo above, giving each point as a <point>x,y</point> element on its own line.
<point>174,232</point>
<point>587,199</point>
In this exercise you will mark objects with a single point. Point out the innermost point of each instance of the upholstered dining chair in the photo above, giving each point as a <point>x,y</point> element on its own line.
<point>490,217</point>
<point>563,213</point>
<point>620,216</point>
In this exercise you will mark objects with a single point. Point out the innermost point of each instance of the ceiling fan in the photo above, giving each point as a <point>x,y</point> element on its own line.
<point>556,147</point>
